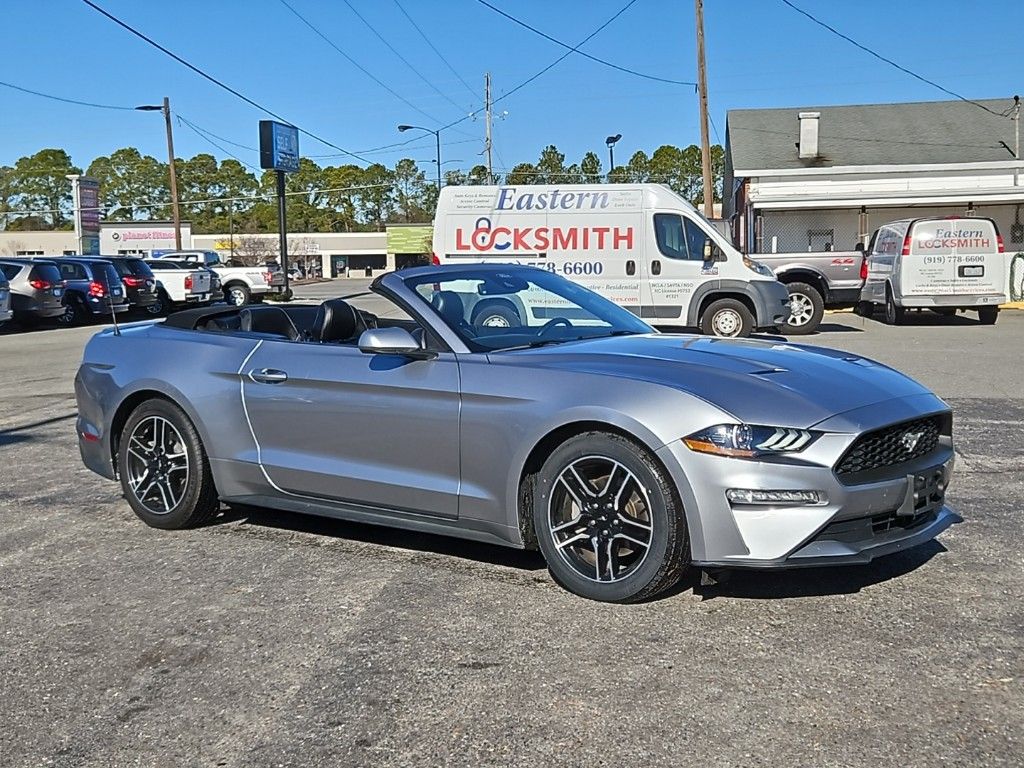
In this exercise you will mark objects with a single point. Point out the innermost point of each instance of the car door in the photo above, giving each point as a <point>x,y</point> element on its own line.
<point>376,430</point>
<point>675,266</point>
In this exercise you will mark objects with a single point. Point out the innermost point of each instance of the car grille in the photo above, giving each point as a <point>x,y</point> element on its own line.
<point>891,446</point>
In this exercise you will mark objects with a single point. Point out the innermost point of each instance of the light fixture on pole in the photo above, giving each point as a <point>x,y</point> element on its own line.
<point>437,137</point>
<point>610,142</point>
<point>166,109</point>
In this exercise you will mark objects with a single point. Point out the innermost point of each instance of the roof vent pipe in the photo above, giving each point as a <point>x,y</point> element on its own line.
<point>808,134</point>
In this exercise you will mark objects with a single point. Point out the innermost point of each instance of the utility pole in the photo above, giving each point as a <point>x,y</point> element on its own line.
<point>487,123</point>
<point>702,91</point>
<point>174,175</point>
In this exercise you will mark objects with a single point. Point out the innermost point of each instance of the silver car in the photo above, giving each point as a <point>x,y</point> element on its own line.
<point>624,455</point>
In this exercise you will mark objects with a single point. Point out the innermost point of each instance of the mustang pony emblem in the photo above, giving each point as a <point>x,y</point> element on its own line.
<point>910,440</point>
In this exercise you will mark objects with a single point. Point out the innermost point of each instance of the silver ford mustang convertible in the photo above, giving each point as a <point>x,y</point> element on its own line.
<point>508,405</point>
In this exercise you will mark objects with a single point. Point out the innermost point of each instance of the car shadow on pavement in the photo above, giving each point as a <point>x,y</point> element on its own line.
<point>22,433</point>
<point>816,582</point>
<point>837,328</point>
<point>413,541</point>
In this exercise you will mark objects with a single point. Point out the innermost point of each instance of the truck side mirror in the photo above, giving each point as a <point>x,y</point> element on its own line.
<point>859,247</point>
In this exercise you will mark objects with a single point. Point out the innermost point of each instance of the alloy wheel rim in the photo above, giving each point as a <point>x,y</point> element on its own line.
<point>68,317</point>
<point>496,321</point>
<point>157,467</point>
<point>599,519</point>
<point>727,323</point>
<point>800,309</point>
<point>237,297</point>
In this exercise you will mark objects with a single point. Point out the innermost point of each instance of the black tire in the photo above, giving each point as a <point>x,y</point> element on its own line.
<point>864,309</point>
<point>651,498</point>
<point>237,294</point>
<point>161,306</point>
<point>812,309</point>
<point>727,318</point>
<point>894,315</point>
<point>75,312</point>
<point>196,499</point>
<point>988,315</point>
<point>496,315</point>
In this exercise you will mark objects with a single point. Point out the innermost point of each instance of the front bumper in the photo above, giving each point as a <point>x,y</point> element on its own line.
<point>771,303</point>
<point>855,523</point>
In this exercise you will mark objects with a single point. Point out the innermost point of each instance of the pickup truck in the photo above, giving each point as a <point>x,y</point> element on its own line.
<point>241,285</point>
<point>179,285</point>
<point>816,280</point>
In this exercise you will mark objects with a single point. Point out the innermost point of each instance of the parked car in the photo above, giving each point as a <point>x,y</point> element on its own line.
<point>641,246</point>
<point>180,284</point>
<point>93,289</point>
<point>137,278</point>
<point>37,289</point>
<point>626,456</point>
<point>241,285</point>
<point>942,263</point>
<point>816,280</point>
<point>6,313</point>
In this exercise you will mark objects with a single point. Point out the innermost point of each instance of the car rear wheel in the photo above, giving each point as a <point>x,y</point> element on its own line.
<point>894,315</point>
<point>807,308</point>
<point>75,312</point>
<point>728,318</point>
<point>164,472</point>
<point>988,315</point>
<point>608,520</point>
<point>161,305</point>
<point>237,294</point>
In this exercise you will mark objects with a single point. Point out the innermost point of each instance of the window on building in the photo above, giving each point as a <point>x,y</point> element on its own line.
<point>28,253</point>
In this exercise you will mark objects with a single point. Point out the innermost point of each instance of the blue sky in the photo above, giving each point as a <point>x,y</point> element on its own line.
<point>760,54</point>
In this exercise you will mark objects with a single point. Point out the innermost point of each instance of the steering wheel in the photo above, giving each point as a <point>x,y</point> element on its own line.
<point>553,323</point>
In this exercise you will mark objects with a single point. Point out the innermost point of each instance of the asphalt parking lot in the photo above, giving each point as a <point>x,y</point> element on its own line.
<point>269,639</point>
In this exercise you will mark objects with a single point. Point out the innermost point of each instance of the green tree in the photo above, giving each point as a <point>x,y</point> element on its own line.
<point>339,213</point>
<point>523,173</point>
<point>375,203</point>
<point>130,183</point>
<point>6,193</point>
<point>40,183</point>
<point>590,168</point>
<point>415,197</point>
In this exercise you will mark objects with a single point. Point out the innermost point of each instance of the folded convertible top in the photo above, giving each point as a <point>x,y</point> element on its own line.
<point>189,319</point>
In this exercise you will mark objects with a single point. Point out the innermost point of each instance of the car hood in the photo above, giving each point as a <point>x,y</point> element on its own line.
<point>756,381</point>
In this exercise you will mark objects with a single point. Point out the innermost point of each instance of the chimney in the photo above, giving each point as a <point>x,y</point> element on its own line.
<point>808,145</point>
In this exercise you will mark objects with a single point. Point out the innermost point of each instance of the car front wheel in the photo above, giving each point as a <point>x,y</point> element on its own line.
<point>163,468</point>
<point>608,520</point>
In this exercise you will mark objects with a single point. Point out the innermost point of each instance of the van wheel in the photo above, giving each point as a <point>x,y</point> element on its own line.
<point>893,315</point>
<point>807,308</point>
<point>988,315</point>
<point>727,318</point>
<point>496,315</point>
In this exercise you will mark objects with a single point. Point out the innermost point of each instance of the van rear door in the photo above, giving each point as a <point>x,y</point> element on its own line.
<point>953,257</point>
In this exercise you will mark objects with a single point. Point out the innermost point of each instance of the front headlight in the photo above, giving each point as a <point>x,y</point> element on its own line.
<point>744,441</point>
<point>759,267</point>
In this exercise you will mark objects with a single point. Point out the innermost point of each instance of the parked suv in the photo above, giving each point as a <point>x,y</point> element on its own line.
<point>37,290</point>
<point>138,280</point>
<point>93,289</point>
<point>6,313</point>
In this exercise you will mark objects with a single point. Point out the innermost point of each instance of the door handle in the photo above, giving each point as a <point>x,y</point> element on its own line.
<point>630,267</point>
<point>655,267</point>
<point>268,376</point>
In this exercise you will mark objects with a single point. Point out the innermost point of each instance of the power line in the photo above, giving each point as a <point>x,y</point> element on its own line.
<point>890,62</point>
<point>354,63</point>
<point>214,80</point>
<point>583,53</point>
<point>402,58</point>
<point>202,134</point>
<point>66,101</point>
<point>434,48</point>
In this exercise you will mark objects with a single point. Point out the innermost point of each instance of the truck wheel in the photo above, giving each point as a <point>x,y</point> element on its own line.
<point>496,315</point>
<point>893,315</point>
<point>807,308</point>
<point>727,318</point>
<point>237,294</point>
<point>988,315</point>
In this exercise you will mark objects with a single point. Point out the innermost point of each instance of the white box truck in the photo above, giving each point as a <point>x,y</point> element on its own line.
<point>940,263</point>
<point>639,245</point>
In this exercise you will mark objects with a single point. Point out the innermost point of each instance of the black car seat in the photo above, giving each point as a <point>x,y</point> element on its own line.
<point>450,306</point>
<point>337,321</point>
<point>272,320</point>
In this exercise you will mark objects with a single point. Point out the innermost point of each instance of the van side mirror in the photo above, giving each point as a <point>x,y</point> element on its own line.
<point>712,252</point>
<point>392,341</point>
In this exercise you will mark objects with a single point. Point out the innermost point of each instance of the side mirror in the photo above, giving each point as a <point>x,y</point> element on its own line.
<point>859,247</point>
<point>392,341</point>
<point>712,252</point>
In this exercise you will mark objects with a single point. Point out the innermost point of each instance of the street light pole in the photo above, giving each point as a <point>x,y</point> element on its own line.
<point>437,137</point>
<point>610,142</point>
<point>175,212</point>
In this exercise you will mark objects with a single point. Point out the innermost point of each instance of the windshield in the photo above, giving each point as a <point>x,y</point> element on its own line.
<point>498,309</point>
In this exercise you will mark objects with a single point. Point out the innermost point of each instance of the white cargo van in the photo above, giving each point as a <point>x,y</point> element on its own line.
<point>942,263</point>
<point>639,245</point>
